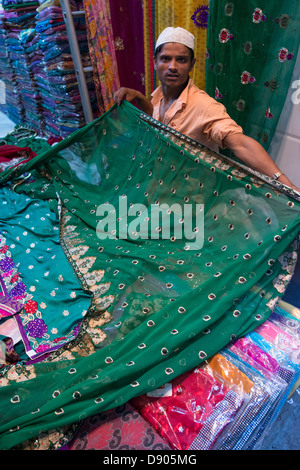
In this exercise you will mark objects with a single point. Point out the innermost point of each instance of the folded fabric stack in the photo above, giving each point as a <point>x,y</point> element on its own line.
<point>37,68</point>
<point>6,73</point>
<point>55,73</point>
<point>229,402</point>
<point>122,428</point>
<point>22,98</point>
<point>31,98</point>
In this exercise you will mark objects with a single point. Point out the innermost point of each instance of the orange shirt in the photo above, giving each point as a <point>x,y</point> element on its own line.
<point>197,115</point>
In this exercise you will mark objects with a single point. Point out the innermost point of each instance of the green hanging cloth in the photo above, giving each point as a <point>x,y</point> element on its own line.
<point>167,292</point>
<point>251,52</point>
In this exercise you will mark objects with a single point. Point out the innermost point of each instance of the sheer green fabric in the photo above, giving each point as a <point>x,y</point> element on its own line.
<point>160,305</point>
<point>251,53</point>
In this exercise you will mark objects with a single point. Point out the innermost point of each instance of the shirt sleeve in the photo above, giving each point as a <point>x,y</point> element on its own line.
<point>217,124</point>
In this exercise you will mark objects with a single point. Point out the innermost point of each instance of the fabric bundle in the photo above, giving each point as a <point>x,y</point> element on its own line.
<point>160,14</point>
<point>11,155</point>
<point>188,407</point>
<point>278,365</point>
<point>128,35</point>
<point>232,400</point>
<point>23,102</point>
<point>159,304</point>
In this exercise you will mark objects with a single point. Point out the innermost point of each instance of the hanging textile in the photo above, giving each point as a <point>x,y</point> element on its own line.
<point>251,56</point>
<point>190,15</point>
<point>161,303</point>
<point>11,155</point>
<point>102,51</point>
<point>127,25</point>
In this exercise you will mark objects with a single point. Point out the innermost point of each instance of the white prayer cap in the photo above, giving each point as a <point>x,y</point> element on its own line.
<point>180,35</point>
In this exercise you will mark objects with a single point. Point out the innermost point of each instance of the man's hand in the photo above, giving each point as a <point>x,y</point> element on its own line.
<point>130,95</point>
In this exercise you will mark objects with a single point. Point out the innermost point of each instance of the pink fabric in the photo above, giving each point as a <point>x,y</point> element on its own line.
<point>122,428</point>
<point>128,32</point>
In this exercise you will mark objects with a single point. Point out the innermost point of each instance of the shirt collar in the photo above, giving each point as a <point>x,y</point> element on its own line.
<point>182,99</point>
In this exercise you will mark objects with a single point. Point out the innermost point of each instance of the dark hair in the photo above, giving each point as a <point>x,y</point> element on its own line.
<point>159,48</point>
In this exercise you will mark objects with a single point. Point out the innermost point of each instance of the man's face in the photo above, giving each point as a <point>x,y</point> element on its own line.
<point>173,64</point>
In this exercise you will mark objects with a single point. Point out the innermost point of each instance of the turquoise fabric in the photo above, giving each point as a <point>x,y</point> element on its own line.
<point>53,300</point>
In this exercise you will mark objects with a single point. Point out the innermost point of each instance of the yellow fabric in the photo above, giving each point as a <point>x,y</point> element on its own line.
<point>158,15</point>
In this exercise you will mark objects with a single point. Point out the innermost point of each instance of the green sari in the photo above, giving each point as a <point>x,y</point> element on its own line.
<point>161,303</point>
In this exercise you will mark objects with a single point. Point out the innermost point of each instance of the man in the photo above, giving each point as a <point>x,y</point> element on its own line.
<point>178,103</point>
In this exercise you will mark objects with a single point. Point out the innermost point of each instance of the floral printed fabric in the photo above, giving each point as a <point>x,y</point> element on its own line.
<point>102,51</point>
<point>251,52</point>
